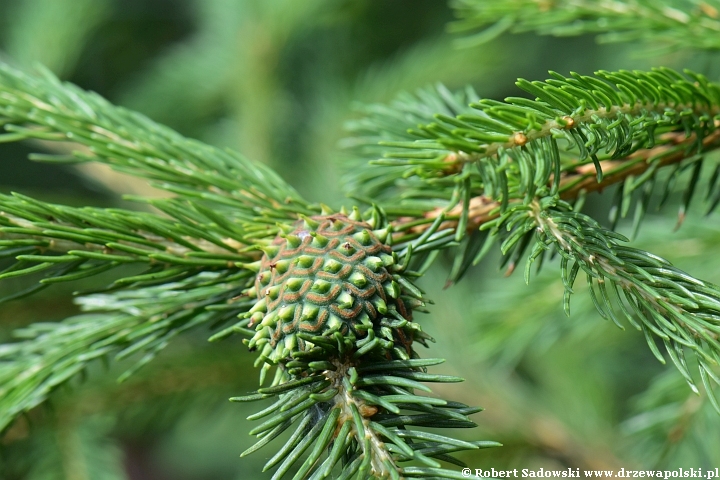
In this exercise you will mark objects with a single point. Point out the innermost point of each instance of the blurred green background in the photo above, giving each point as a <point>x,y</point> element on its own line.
<point>276,80</point>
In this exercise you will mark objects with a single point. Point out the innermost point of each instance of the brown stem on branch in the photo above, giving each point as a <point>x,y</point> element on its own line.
<point>582,179</point>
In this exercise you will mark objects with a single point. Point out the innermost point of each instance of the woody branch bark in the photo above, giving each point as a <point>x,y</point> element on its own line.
<point>583,179</point>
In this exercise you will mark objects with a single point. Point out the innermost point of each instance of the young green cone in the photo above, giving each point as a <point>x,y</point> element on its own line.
<point>331,283</point>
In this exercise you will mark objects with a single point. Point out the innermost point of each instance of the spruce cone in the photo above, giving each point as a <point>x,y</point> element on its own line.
<point>330,274</point>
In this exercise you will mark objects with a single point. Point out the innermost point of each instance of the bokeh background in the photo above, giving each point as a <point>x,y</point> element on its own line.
<point>276,80</point>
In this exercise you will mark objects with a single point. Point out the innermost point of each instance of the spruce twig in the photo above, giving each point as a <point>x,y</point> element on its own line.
<point>326,297</point>
<point>580,134</point>
<point>664,25</point>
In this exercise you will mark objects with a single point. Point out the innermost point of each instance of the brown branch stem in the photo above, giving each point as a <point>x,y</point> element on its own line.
<point>583,179</point>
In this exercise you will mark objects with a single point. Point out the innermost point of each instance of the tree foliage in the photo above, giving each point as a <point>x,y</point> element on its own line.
<point>447,172</point>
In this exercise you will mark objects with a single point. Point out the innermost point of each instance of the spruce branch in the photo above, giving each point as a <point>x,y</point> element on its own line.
<point>227,205</point>
<point>624,283</point>
<point>580,134</point>
<point>68,243</point>
<point>618,127</point>
<point>672,149</point>
<point>517,143</point>
<point>342,375</point>
<point>671,24</point>
<point>352,409</point>
<point>395,122</point>
<point>327,300</point>
<point>43,108</point>
<point>120,324</point>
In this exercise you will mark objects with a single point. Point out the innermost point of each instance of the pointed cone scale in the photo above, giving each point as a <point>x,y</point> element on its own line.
<point>293,241</point>
<point>374,263</point>
<point>270,250</point>
<point>291,342</point>
<point>263,372</point>
<point>346,248</point>
<point>382,234</point>
<point>281,266</point>
<point>363,237</point>
<point>414,303</point>
<point>270,320</point>
<point>309,312</point>
<point>334,323</point>
<point>325,210</point>
<point>305,261</point>
<point>256,318</point>
<point>272,292</point>
<point>345,300</point>
<point>380,305</point>
<point>264,277</point>
<point>279,377</point>
<point>358,279</point>
<point>321,286</point>
<point>285,228</point>
<point>387,259</point>
<point>260,306</point>
<point>309,223</point>
<point>253,267</point>
<point>259,363</point>
<point>343,210</point>
<point>365,320</point>
<point>332,266</point>
<point>373,222</point>
<point>277,354</point>
<point>392,288</point>
<point>319,241</point>
<point>409,288</point>
<point>386,344</point>
<point>287,313</point>
<point>355,215</point>
<point>295,284</point>
<point>267,350</point>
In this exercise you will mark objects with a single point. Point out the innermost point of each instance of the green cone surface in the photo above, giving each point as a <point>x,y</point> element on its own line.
<point>330,274</point>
